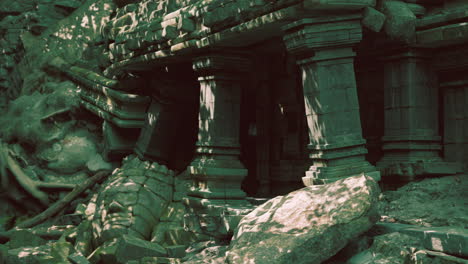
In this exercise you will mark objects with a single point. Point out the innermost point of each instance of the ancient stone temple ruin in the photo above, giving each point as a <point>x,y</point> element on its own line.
<point>322,89</point>
<point>212,102</point>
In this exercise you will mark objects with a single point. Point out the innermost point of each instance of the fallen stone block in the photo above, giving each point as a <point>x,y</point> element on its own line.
<point>177,251</point>
<point>178,236</point>
<point>213,254</point>
<point>453,241</point>
<point>401,22</point>
<point>124,249</point>
<point>354,247</point>
<point>389,248</point>
<point>132,248</point>
<point>174,212</point>
<point>438,257</point>
<point>373,19</point>
<point>53,253</point>
<point>78,258</point>
<point>308,225</point>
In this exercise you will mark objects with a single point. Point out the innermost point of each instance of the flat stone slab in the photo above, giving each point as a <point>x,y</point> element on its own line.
<point>132,248</point>
<point>453,241</point>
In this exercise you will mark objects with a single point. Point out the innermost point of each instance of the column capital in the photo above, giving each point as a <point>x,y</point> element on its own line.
<point>225,62</point>
<point>406,52</point>
<point>310,34</point>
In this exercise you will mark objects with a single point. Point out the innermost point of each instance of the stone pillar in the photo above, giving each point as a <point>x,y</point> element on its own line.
<point>324,51</point>
<point>216,199</point>
<point>157,138</point>
<point>216,170</point>
<point>411,141</point>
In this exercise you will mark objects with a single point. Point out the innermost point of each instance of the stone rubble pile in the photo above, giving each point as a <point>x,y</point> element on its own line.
<point>21,18</point>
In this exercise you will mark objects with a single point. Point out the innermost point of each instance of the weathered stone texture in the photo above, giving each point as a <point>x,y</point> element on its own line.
<point>411,138</point>
<point>323,50</point>
<point>401,21</point>
<point>410,204</point>
<point>132,201</point>
<point>373,19</point>
<point>306,226</point>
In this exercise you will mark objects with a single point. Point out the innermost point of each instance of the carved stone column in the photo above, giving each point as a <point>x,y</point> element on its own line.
<point>157,136</point>
<point>324,51</point>
<point>412,145</point>
<point>216,199</point>
<point>217,170</point>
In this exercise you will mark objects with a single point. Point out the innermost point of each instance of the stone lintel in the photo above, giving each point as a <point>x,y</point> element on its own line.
<point>442,36</point>
<point>449,16</point>
<point>222,63</point>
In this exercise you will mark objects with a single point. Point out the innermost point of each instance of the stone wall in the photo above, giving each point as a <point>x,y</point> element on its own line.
<point>456,123</point>
<point>454,97</point>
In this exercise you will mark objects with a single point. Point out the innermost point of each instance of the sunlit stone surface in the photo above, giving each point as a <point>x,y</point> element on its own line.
<point>308,225</point>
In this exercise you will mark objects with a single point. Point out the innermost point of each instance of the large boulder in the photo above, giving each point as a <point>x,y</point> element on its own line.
<point>308,225</point>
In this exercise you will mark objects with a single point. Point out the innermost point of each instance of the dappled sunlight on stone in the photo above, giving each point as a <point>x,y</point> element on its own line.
<point>325,216</point>
<point>214,101</point>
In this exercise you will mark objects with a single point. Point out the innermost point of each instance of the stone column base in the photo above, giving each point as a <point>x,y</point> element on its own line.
<point>401,170</point>
<point>214,218</point>
<point>217,179</point>
<point>323,175</point>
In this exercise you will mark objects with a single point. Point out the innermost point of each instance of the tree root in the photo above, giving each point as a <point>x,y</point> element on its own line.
<point>48,233</point>
<point>33,188</point>
<point>58,206</point>
<point>30,186</point>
